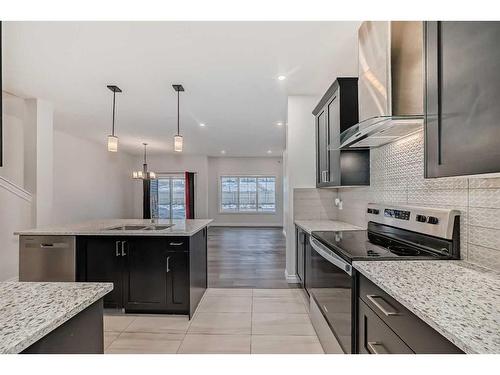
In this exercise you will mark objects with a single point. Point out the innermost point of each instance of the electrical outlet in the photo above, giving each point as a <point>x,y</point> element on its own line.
<point>338,203</point>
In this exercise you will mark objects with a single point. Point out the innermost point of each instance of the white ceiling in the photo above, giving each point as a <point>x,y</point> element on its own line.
<point>228,70</point>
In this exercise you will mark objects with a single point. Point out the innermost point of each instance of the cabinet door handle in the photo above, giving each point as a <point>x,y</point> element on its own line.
<point>372,297</point>
<point>324,175</point>
<point>123,249</point>
<point>168,264</point>
<point>176,243</point>
<point>372,348</point>
<point>117,252</point>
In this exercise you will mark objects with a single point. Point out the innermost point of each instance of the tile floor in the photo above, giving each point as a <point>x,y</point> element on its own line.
<point>227,321</point>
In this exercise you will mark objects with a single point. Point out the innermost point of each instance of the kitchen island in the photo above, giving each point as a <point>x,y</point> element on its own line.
<point>155,266</point>
<point>52,317</point>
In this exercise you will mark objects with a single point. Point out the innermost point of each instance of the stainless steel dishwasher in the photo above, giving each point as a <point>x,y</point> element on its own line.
<point>47,258</point>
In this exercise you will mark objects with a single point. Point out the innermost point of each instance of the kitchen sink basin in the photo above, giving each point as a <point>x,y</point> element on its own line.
<point>159,227</point>
<point>127,227</point>
<point>141,227</point>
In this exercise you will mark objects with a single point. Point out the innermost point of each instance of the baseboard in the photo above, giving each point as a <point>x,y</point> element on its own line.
<point>291,279</point>
<point>14,278</point>
<point>263,225</point>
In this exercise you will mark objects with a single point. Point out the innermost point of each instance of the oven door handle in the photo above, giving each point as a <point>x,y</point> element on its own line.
<point>331,257</point>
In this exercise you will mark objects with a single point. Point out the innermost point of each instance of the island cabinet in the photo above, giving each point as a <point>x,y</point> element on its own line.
<point>163,274</point>
<point>156,275</point>
<point>102,262</point>
<point>385,326</point>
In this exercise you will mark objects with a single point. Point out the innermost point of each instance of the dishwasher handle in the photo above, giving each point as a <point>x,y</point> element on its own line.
<point>330,256</point>
<point>53,245</point>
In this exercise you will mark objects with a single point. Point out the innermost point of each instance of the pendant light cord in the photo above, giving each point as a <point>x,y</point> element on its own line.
<point>178,125</point>
<point>145,144</point>
<point>113,127</point>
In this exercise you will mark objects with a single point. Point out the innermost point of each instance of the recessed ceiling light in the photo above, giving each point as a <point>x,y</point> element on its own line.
<point>279,123</point>
<point>223,152</point>
<point>269,152</point>
<point>202,125</point>
<point>281,78</point>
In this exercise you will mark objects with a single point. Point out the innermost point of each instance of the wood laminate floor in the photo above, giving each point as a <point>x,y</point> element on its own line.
<point>246,258</point>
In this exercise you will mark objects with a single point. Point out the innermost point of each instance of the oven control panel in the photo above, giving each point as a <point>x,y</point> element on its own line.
<point>397,214</point>
<point>432,221</point>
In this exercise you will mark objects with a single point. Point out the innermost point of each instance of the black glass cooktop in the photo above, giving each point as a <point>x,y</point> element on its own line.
<point>364,245</point>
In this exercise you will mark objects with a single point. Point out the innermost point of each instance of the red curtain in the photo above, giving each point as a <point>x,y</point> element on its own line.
<point>189,191</point>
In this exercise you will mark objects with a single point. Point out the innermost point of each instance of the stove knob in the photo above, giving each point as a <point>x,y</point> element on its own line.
<point>375,211</point>
<point>432,220</point>
<point>421,218</point>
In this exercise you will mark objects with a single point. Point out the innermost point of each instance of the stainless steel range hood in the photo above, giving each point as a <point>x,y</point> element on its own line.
<point>390,86</point>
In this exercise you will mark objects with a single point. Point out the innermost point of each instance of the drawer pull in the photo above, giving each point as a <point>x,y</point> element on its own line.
<point>176,243</point>
<point>372,348</point>
<point>372,299</point>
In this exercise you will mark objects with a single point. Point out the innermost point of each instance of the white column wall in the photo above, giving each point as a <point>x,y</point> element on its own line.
<point>39,159</point>
<point>300,167</point>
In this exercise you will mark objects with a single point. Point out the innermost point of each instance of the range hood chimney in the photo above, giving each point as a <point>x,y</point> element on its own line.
<point>390,86</point>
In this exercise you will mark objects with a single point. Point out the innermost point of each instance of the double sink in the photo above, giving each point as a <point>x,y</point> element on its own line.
<point>141,227</point>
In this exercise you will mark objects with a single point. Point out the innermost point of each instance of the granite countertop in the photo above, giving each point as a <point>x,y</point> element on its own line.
<point>99,228</point>
<point>457,299</point>
<point>325,225</point>
<point>29,310</point>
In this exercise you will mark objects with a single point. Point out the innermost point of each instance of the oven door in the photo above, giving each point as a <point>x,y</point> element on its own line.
<point>330,285</point>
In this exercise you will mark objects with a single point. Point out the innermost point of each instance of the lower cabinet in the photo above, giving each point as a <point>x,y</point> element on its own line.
<point>375,337</point>
<point>177,281</point>
<point>301,237</point>
<point>150,274</point>
<point>101,260</point>
<point>387,327</point>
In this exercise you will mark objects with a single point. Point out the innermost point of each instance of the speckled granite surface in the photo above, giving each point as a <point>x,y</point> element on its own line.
<point>321,225</point>
<point>29,311</point>
<point>460,301</point>
<point>99,228</point>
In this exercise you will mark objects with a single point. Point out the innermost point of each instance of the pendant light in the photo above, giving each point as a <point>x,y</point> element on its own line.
<point>144,174</point>
<point>112,139</point>
<point>178,138</point>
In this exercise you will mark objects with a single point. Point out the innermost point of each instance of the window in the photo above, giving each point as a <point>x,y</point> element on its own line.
<point>169,192</point>
<point>248,194</point>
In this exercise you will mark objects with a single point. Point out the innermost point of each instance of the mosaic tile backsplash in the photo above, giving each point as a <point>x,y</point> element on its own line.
<point>397,176</point>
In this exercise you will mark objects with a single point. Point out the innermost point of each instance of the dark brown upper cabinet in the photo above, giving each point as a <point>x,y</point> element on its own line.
<point>462,115</point>
<point>336,112</point>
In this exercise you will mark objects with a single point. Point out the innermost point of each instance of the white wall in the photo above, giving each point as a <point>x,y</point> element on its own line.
<point>15,202</point>
<point>13,139</point>
<point>300,164</point>
<point>39,150</point>
<point>219,166</point>
<point>90,182</point>
<point>176,163</point>
<point>50,177</point>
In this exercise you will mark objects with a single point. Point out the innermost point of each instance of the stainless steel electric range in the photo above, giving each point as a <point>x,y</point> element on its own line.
<point>394,233</point>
